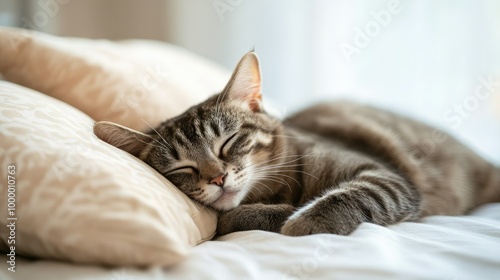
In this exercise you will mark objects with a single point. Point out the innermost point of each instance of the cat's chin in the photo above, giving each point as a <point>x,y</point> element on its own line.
<point>227,201</point>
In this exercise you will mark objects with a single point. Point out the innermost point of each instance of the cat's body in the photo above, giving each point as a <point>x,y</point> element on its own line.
<point>324,170</point>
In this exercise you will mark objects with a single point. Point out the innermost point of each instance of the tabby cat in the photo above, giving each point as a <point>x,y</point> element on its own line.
<point>326,169</point>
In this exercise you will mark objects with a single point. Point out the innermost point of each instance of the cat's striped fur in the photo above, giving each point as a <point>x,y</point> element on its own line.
<point>324,170</point>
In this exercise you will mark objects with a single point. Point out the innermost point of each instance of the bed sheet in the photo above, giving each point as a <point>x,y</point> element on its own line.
<point>438,247</point>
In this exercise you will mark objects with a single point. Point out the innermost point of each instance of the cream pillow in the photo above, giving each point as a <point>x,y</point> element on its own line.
<point>80,199</point>
<point>132,83</point>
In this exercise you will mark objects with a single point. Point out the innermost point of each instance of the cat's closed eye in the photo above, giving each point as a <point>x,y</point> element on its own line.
<point>227,144</point>
<point>185,169</point>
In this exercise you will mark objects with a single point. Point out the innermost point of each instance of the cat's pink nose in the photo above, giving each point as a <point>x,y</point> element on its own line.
<point>219,180</point>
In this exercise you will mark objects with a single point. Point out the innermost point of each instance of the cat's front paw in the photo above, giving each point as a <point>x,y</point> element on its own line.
<point>268,217</point>
<point>243,217</point>
<point>228,222</point>
<point>298,225</point>
<point>315,222</point>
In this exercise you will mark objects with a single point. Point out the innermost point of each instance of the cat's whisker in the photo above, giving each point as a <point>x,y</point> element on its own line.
<point>299,158</point>
<point>277,157</point>
<point>255,182</point>
<point>251,191</point>
<point>279,165</point>
<point>274,167</point>
<point>290,178</point>
<point>262,184</point>
<point>165,141</point>
<point>293,170</point>
<point>149,143</point>
<point>162,146</point>
<point>247,164</point>
<point>276,179</point>
<point>265,175</point>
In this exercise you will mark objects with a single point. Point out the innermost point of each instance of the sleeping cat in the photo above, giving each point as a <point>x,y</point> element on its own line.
<point>326,169</point>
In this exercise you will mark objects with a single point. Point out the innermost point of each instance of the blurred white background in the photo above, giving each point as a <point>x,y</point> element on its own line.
<point>438,61</point>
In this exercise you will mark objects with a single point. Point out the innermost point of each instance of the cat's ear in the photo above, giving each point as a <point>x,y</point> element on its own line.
<point>245,84</point>
<point>124,138</point>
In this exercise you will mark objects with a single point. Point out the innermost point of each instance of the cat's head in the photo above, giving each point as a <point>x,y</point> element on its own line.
<point>215,151</point>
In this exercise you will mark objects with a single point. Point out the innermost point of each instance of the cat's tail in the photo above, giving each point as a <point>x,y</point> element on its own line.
<point>497,184</point>
<point>492,188</point>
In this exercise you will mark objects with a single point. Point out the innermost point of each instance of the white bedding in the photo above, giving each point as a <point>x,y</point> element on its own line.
<point>439,247</point>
